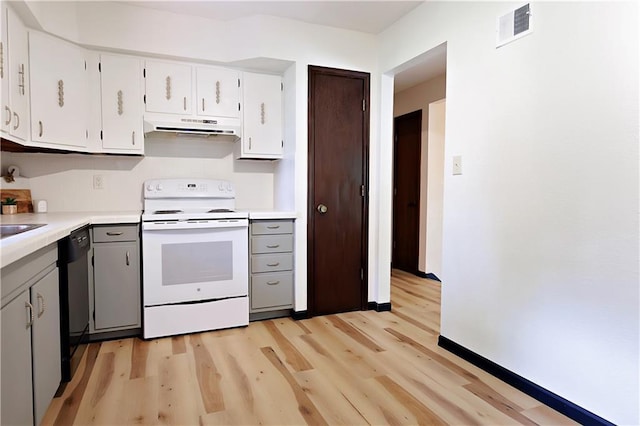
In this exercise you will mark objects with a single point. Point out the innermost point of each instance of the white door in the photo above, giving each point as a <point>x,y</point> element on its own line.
<point>262,116</point>
<point>18,76</point>
<point>168,87</point>
<point>183,265</point>
<point>218,92</point>
<point>122,105</point>
<point>58,85</point>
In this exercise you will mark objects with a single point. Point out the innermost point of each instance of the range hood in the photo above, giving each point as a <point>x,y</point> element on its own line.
<point>193,126</point>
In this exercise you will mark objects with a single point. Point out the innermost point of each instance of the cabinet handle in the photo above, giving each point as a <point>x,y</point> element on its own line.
<point>113,233</point>
<point>273,246</point>
<point>6,108</point>
<point>273,282</point>
<point>120,103</point>
<point>184,102</point>
<point>60,93</point>
<point>202,104</point>
<point>168,87</point>
<point>217,92</point>
<point>40,125</point>
<point>133,137</point>
<point>249,142</point>
<point>17,117</point>
<point>41,303</point>
<point>262,113</point>
<point>29,306</point>
<point>273,226</point>
<point>128,262</point>
<point>21,79</point>
<point>1,59</point>
<point>273,264</point>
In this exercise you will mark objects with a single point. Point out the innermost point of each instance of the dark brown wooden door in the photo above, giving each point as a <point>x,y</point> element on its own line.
<point>406,188</point>
<point>338,157</point>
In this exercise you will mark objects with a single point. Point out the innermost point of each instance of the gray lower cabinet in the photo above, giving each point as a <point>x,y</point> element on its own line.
<point>116,279</point>
<point>271,287</point>
<point>31,366</point>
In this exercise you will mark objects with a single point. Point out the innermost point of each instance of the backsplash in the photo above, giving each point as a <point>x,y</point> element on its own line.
<point>66,181</point>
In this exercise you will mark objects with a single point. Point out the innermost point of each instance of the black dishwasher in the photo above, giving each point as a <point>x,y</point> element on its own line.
<point>74,298</point>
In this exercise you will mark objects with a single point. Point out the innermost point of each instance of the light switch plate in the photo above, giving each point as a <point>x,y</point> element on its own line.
<point>457,165</point>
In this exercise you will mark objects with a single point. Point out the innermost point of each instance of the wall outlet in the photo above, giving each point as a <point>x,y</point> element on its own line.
<point>98,182</point>
<point>457,165</point>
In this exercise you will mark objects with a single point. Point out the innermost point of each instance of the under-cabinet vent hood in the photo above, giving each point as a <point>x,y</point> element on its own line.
<point>194,126</point>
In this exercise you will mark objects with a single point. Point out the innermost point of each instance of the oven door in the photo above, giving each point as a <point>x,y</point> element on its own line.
<point>186,261</point>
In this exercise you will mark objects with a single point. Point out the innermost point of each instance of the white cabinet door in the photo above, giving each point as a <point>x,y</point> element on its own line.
<point>16,408</point>
<point>45,333</point>
<point>122,105</point>
<point>4,72</point>
<point>18,76</point>
<point>262,116</point>
<point>58,86</point>
<point>218,92</point>
<point>168,87</point>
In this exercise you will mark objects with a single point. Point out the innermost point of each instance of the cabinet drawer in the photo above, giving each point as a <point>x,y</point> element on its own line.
<point>107,234</point>
<point>272,290</point>
<point>272,227</point>
<point>272,243</point>
<point>272,262</point>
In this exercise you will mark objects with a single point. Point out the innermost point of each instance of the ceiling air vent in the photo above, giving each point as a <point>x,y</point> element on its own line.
<point>514,25</point>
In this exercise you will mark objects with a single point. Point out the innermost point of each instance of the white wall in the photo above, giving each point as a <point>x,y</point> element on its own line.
<point>256,43</point>
<point>412,99</point>
<point>435,186</point>
<point>540,250</point>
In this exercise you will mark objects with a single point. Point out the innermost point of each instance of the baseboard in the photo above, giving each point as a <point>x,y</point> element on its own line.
<point>299,315</point>
<point>379,307</point>
<point>543,395</point>
<point>429,276</point>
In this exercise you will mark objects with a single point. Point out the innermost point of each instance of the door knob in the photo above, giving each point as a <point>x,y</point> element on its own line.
<point>322,208</point>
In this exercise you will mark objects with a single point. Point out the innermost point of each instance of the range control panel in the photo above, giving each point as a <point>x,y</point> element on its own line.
<point>188,188</point>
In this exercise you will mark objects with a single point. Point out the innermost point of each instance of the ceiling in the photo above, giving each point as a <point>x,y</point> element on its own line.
<point>371,17</point>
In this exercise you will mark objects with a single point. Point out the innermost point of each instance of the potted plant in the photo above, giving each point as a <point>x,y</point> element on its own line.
<point>9,206</point>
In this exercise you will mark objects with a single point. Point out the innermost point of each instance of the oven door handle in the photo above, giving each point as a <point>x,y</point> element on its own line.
<point>195,224</point>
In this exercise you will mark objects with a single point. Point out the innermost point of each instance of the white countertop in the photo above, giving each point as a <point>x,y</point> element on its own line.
<point>58,225</point>
<point>271,214</point>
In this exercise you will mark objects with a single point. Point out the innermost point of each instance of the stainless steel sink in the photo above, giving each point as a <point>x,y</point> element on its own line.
<point>7,230</point>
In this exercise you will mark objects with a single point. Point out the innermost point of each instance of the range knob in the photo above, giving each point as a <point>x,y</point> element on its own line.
<point>229,187</point>
<point>221,186</point>
<point>158,187</point>
<point>149,187</point>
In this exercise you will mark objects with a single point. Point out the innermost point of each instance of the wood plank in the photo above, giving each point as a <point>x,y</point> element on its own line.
<point>139,356</point>
<point>207,375</point>
<point>422,413</point>
<point>22,196</point>
<point>292,356</point>
<point>307,408</point>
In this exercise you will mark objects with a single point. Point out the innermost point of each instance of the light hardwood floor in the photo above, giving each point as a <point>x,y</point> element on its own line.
<point>351,369</point>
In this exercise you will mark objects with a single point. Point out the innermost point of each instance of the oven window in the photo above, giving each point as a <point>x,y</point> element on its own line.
<point>187,263</point>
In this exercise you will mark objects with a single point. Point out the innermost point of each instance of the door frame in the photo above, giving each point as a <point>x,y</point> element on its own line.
<point>314,70</point>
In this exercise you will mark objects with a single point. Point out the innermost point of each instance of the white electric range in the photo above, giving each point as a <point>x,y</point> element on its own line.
<point>195,252</point>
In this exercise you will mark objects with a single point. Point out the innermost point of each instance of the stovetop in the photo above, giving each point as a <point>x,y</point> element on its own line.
<point>189,199</point>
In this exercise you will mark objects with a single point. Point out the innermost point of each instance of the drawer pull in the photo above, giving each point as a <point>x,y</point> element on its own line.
<point>29,306</point>
<point>273,226</point>
<point>273,264</point>
<point>114,234</point>
<point>127,258</point>
<point>273,246</point>
<point>273,282</point>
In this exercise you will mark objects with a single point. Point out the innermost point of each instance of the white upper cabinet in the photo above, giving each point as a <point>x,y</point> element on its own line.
<point>58,93</point>
<point>168,87</point>
<point>122,104</point>
<point>262,117</point>
<point>14,71</point>
<point>218,92</point>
